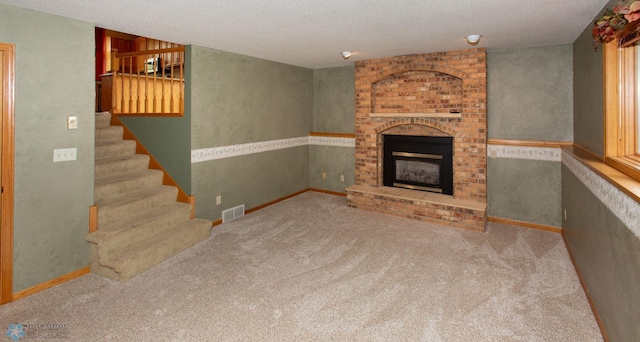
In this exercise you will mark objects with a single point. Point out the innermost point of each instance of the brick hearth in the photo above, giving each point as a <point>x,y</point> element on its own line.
<point>438,94</point>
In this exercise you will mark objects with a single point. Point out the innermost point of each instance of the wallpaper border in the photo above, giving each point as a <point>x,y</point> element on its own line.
<point>620,204</point>
<point>524,152</point>
<point>229,151</point>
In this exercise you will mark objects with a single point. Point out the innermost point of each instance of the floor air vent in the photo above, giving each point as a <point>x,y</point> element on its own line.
<point>233,213</point>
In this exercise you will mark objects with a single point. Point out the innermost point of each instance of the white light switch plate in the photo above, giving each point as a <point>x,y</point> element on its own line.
<point>65,154</point>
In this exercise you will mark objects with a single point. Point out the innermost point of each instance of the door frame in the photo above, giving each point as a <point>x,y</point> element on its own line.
<point>7,179</point>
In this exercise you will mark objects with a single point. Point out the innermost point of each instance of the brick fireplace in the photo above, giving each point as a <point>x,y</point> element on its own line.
<point>429,95</point>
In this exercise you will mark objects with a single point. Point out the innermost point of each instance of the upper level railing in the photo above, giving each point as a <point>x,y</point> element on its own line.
<point>148,82</point>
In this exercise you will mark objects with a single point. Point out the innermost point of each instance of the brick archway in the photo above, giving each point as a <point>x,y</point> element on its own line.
<point>416,66</point>
<point>431,123</point>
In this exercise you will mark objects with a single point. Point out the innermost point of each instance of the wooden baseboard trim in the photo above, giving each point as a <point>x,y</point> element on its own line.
<point>275,201</point>
<point>262,206</point>
<point>603,331</point>
<point>343,194</point>
<point>51,283</point>
<point>249,211</point>
<point>332,135</point>
<point>525,224</point>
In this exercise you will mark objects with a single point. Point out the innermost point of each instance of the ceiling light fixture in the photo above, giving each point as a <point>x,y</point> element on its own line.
<point>346,54</point>
<point>473,39</point>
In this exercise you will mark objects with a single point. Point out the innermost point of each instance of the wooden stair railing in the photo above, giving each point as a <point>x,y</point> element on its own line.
<point>148,83</point>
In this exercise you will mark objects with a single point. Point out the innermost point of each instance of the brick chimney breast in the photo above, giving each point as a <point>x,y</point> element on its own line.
<point>437,94</point>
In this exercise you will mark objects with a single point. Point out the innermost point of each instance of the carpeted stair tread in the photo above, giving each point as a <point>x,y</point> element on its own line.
<point>145,254</point>
<point>94,263</point>
<point>122,183</point>
<point>115,148</point>
<point>121,164</point>
<point>136,196</point>
<point>140,221</point>
<point>138,227</point>
<point>103,119</point>
<point>121,207</point>
<point>149,216</point>
<point>109,133</point>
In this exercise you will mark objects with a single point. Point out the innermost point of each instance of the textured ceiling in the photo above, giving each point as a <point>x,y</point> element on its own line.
<point>313,33</point>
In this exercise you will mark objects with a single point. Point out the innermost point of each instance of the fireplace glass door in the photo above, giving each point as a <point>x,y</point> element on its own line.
<point>415,169</point>
<point>418,163</point>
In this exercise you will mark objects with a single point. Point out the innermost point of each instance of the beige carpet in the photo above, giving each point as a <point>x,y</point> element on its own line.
<point>310,268</point>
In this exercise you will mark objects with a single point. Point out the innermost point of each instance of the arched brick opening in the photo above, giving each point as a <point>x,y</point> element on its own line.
<point>417,66</point>
<point>411,127</point>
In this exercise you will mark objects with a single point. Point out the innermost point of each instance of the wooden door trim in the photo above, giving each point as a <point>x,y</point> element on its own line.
<point>7,179</point>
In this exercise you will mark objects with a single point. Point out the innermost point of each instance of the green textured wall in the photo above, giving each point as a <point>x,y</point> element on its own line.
<point>530,97</point>
<point>334,161</point>
<point>607,254</point>
<point>606,251</point>
<point>530,93</point>
<point>525,190</point>
<point>251,180</point>
<point>54,79</point>
<point>589,109</point>
<point>333,112</point>
<point>237,99</point>
<point>587,91</point>
<point>168,140</point>
<point>334,100</point>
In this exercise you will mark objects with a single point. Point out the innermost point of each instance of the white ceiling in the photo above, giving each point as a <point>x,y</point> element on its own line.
<point>313,33</point>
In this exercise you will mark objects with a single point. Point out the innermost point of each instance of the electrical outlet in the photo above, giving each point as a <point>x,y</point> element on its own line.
<point>324,175</point>
<point>218,200</point>
<point>65,154</point>
<point>72,122</point>
<point>565,214</point>
<point>342,178</point>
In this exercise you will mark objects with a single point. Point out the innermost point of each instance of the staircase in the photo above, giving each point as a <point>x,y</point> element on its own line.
<point>140,223</point>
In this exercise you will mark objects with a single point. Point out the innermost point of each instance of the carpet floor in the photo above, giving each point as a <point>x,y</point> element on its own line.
<point>312,269</point>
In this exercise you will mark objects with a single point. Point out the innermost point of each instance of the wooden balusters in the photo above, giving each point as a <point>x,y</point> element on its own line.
<point>149,82</point>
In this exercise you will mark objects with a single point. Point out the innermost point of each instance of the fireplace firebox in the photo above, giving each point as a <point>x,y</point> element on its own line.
<point>418,163</point>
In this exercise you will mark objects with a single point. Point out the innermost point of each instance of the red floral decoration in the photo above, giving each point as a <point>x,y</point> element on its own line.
<point>606,26</point>
<point>612,21</point>
<point>630,9</point>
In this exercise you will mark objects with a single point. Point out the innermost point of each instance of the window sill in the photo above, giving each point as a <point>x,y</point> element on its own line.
<point>627,165</point>
<point>620,180</point>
